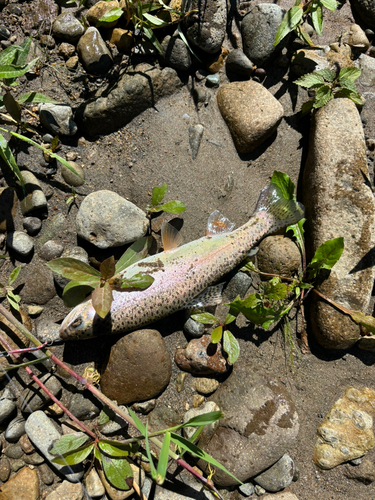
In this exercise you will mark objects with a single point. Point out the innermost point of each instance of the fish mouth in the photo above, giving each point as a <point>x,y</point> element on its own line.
<point>64,334</point>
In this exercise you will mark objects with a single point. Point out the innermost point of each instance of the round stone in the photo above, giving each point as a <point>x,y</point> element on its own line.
<point>70,177</point>
<point>51,250</point>
<point>20,242</point>
<point>32,225</point>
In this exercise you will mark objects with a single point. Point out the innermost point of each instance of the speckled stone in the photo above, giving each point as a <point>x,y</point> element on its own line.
<point>70,177</point>
<point>205,385</point>
<point>201,357</point>
<point>52,249</point>
<point>24,485</point>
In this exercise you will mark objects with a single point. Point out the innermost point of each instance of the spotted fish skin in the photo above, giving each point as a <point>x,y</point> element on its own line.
<point>182,273</point>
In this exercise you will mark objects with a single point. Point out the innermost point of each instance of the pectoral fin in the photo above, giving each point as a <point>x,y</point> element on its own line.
<point>170,237</point>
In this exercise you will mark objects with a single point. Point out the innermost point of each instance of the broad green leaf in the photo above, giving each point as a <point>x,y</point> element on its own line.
<point>110,16</point>
<point>137,282</point>
<point>307,107</point>
<point>118,472</point>
<point>298,233</point>
<point>258,315</point>
<point>317,17</point>
<point>231,346</point>
<point>163,459</point>
<point>116,449</point>
<point>323,95</point>
<point>14,275</point>
<point>8,55</point>
<point>12,106</point>
<point>74,457</point>
<point>309,80</point>
<point>68,443</point>
<point>291,19</point>
<point>73,269</point>
<point>197,452</point>
<point>326,256</point>
<point>284,182</point>
<point>356,98</point>
<point>101,299</point>
<point>14,71</point>
<point>171,207</point>
<point>204,419</point>
<point>7,155</point>
<point>367,322</point>
<point>350,74</point>
<point>205,318</point>
<point>74,293</point>
<point>158,194</point>
<point>151,36</point>
<point>107,268</point>
<point>137,251</point>
<point>275,290</point>
<point>229,319</point>
<point>216,334</point>
<point>34,97</point>
<point>327,74</point>
<point>347,84</point>
<point>141,428</point>
<point>105,415</point>
<point>22,52</point>
<point>13,300</point>
<point>303,35</point>
<point>329,4</point>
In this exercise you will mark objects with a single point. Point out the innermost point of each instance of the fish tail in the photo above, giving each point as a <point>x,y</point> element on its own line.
<point>278,211</point>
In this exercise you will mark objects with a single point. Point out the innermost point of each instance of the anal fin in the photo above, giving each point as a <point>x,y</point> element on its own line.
<point>211,296</point>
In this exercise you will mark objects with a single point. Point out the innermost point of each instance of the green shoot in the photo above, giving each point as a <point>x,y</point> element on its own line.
<point>7,290</point>
<point>172,207</point>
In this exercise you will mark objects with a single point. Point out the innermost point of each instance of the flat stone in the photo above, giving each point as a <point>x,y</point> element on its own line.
<point>15,429</point>
<point>67,491</point>
<point>51,249</point>
<point>207,29</point>
<point>4,469</point>
<point>70,177</point>
<point>32,225</point>
<point>39,285</point>
<point>23,486</point>
<point>7,409</point>
<point>251,113</point>
<point>205,385</point>
<point>277,477</point>
<point>83,405</point>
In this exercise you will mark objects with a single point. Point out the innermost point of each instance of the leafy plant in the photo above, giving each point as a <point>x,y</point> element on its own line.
<point>230,343</point>
<point>7,290</point>
<point>86,279</point>
<point>304,10</point>
<point>172,207</point>
<point>328,85</point>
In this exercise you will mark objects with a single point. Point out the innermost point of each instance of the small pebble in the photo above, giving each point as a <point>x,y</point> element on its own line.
<point>26,444</point>
<point>20,242</point>
<point>46,474</point>
<point>52,249</point>
<point>180,381</point>
<point>13,451</point>
<point>193,328</point>
<point>247,489</point>
<point>32,225</point>
<point>144,407</point>
<point>4,469</point>
<point>206,385</point>
<point>71,178</point>
<point>197,400</point>
<point>15,429</point>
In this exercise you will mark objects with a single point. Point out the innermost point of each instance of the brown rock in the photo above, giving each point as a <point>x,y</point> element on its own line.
<point>123,39</point>
<point>98,10</point>
<point>67,491</point>
<point>201,357</point>
<point>251,113</point>
<point>364,472</point>
<point>139,367</point>
<point>278,255</point>
<point>8,207</point>
<point>23,486</point>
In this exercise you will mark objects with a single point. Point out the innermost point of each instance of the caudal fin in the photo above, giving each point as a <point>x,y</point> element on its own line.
<point>279,211</point>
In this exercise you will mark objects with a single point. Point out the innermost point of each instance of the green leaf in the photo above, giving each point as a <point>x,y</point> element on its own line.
<point>216,334</point>
<point>163,459</point>
<point>141,428</point>
<point>118,472</point>
<point>158,194</point>
<point>259,315</point>
<point>110,16</point>
<point>309,80</point>
<point>156,22</point>
<point>275,290</point>
<point>327,74</point>
<point>194,450</point>
<point>317,17</point>
<point>229,319</point>
<point>12,106</point>
<point>323,95</point>
<point>231,346</point>
<point>105,415</point>
<point>347,84</point>
<point>151,36</point>
<point>34,97</point>
<point>171,207</point>
<point>74,292</point>
<point>68,443</point>
<point>284,182</point>
<point>205,318</point>
<point>204,419</point>
<point>291,19</point>
<point>303,35</point>
<point>107,268</point>
<point>101,299</point>
<point>137,282</point>
<point>307,107</point>
<point>148,453</point>
<point>329,4</point>
<point>22,52</point>
<point>356,98</point>
<point>326,256</point>
<point>74,269</point>
<point>350,74</point>
<point>7,155</point>
<point>13,71</point>
<point>14,275</point>
<point>136,252</point>
<point>116,449</point>
<point>8,55</point>
<point>298,233</point>
<point>13,300</point>
<point>74,457</point>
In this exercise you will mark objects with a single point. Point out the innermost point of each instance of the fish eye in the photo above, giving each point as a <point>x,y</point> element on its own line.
<point>76,323</point>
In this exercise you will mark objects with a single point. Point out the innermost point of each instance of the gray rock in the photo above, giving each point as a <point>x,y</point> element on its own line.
<point>238,63</point>
<point>251,113</point>
<point>83,406</point>
<point>20,242</point>
<point>247,489</point>
<point>15,429</point>
<point>46,475</point>
<point>366,11</point>
<point>367,77</point>
<point>213,80</point>
<point>238,285</point>
<point>35,198</point>
<point>259,419</point>
<point>7,410</point>
<point>139,367</point>
<point>70,177</point>
<point>78,253</point>
<point>194,328</point>
<point>67,27</point>
<point>32,225</point>
<point>51,249</point>
<point>195,138</point>
<point>176,54</point>
<point>48,331</point>
<point>33,398</point>
<point>208,430</point>
<point>134,92</point>
<point>358,38</point>
<point>277,477</point>
<point>116,423</point>
<point>67,491</point>
<point>13,451</point>
<point>145,406</point>
<point>93,52</point>
<point>94,486</point>
<point>278,255</point>
<point>258,29</point>
<point>57,118</point>
<point>339,204</point>
<point>39,286</point>
<point>4,469</point>
<point>206,29</point>
<point>33,459</point>
<point>259,490</point>
<point>17,464</point>
<point>55,227</point>
<point>107,220</point>
<point>42,432</point>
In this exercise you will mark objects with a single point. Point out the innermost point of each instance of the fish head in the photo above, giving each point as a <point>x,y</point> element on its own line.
<point>79,323</point>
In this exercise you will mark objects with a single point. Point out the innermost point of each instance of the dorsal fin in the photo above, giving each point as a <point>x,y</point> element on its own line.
<point>170,237</point>
<point>217,224</point>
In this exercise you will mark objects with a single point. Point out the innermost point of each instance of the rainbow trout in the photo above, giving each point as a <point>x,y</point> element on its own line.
<point>182,274</point>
